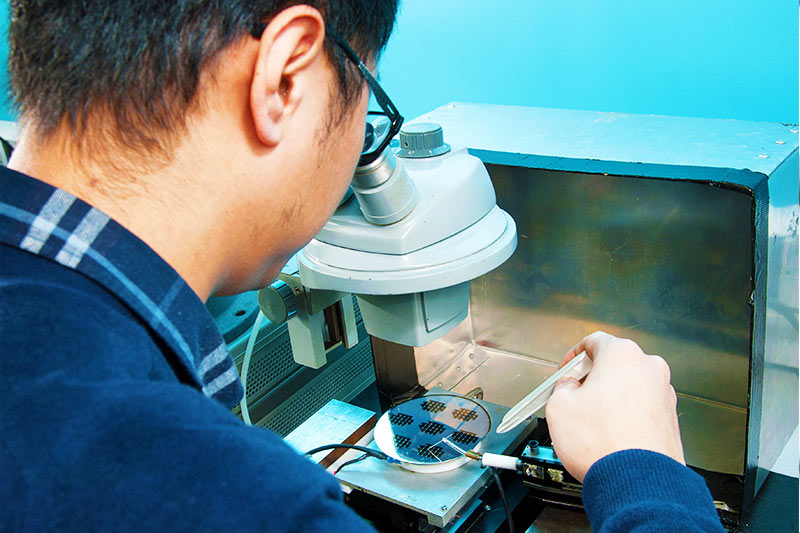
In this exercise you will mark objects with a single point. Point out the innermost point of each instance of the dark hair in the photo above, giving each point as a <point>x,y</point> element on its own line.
<point>141,60</point>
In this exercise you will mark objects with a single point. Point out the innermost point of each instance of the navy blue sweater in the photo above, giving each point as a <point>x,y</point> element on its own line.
<point>115,391</point>
<point>644,491</point>
<point>98,434</point>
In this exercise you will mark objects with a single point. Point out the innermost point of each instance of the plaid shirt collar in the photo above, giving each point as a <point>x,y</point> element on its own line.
<point>52,223</point>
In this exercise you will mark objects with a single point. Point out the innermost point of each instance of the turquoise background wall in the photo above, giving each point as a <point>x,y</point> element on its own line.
<point>711,58</point>
<point>715,58</point>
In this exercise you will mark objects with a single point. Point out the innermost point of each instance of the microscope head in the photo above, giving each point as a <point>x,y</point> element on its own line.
<point>424,222</point>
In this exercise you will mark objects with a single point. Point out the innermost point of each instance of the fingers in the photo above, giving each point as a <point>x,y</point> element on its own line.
<point>610,352</point>
<point>626,401</point>
<point>565,385</point>
<point>590,344</point>
<point>660,367</point>
<point>602,344</point>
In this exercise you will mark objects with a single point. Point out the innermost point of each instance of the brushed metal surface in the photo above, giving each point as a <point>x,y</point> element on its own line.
<point>666,263</point>
<point>779,396</point>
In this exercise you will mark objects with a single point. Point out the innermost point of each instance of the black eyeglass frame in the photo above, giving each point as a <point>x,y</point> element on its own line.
<point>387,106</point>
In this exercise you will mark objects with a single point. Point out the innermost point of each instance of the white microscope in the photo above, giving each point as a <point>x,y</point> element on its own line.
<point>418,223</point>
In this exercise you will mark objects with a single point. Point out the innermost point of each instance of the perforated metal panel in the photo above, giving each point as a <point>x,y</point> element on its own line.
<point>272,368</point>
<point>272,361</point>
<point>357,310</point>
<point>341,381</point>
<point>281,394</point>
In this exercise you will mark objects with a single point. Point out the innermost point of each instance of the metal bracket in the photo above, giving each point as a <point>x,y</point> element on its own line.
<point>308,327</point>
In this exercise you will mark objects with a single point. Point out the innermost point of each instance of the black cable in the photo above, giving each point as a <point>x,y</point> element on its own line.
<point>350,462</point>
<point>369,451</point>
<point>505,501</point>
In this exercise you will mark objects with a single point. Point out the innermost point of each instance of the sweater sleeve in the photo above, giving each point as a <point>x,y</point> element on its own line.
<point>640,490</point>
<point>98,434</point>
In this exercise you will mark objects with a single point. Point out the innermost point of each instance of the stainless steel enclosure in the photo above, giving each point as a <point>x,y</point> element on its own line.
<point>681,234</point>
<point>665,263</point>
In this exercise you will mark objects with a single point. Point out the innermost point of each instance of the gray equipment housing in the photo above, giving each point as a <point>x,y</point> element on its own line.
<point>679,233</point>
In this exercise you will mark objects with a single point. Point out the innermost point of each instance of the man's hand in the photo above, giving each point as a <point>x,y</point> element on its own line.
<point>625,402</point>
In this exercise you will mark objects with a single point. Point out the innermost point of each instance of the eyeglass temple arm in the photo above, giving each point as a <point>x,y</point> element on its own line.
<point>380,95</point>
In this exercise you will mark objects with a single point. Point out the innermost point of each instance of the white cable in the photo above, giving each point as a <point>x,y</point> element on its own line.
<point>248,353</point>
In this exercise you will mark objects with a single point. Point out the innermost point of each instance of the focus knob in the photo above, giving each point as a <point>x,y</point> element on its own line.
<point>424,139</point>
<point>278,302</point>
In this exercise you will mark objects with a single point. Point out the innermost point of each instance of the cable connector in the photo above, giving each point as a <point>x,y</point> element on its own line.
<point>491,460</point>
<point>506,462</point>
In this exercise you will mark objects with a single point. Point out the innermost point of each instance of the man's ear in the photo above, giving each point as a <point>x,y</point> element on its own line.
<point>291,43</point>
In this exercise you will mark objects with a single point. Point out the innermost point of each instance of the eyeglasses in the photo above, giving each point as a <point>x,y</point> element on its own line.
<point>373,147</point>
<point>376,139</point>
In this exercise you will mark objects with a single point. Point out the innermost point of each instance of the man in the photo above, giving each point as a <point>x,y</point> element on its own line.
<point>171,151</point>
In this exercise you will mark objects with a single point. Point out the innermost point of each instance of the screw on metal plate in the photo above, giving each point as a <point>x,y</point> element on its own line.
<point>763,156</point>
<point>780,142</point>
<point>533,447</point>
<point>444,507</point>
